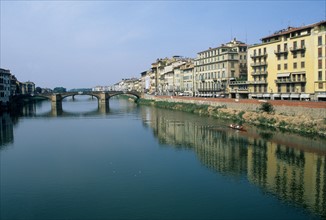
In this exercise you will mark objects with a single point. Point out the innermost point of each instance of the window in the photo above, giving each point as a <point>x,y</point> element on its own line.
<point>303,88</point>
<point>278,57</point>
<point>302,54</point>
<point>302,64</point>
<point>294,65</point>
<point>265,50</point>
<point>285,66</point>
<point>302,44</point>
<point>320,41</point>
<point>285,47</point>
<point>319,52</point>
<point>320,64</point>
<point>279,88</point>
<point>320,76</point>
<point>294,45</point>
<point>285,56</point>
<point>278,66</point>
<point>320,85</point>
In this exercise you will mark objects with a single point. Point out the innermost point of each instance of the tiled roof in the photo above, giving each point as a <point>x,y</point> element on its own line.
<point>293,29</point>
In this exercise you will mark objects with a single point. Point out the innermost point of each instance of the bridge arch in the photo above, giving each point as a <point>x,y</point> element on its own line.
<point>63,96</point>
<point>135,94</point>
<point>102,97</point>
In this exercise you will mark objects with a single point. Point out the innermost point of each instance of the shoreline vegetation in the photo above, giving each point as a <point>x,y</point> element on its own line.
<point>265,116</point>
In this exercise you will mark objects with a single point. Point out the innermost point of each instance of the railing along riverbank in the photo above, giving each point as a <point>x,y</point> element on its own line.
<point>305,117</point>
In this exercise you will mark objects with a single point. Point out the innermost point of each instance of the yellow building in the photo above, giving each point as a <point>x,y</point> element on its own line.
<point>289,64</point>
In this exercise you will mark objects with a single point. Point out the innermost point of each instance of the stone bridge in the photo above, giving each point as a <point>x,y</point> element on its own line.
<point>102,97</point>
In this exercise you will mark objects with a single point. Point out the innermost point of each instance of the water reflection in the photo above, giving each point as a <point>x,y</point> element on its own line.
<point>52,110</point>
<point>291,167</point>
<point>6,130</point>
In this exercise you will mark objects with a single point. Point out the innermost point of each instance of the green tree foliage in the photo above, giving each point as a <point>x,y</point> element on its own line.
<point>59,89</point>
<point>267,107</point>
<point>38,90</point>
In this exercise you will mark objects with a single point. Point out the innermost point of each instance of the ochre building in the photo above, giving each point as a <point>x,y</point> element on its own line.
<point>289,65</point>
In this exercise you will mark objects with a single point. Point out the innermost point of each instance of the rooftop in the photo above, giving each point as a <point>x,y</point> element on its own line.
<point>289,29</point>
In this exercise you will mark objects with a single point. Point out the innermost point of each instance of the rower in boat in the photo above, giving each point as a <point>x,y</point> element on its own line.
<point>235,126</point>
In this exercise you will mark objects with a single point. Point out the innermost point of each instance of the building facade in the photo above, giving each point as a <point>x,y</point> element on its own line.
<point>289,64</point>
<point>5,86</point>
<point>27,87</point>
<point>187,76</point>
<point>215,68</point>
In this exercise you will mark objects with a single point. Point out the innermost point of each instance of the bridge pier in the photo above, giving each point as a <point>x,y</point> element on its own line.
<point>56,104</point>
<point>56,98</point>
<point>103,98</point>
<point>56,108</point>
<point>104,108</point>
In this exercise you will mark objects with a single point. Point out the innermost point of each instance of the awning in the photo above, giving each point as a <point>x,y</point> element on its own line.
<point>283,74</point>
<point>305,96</point>
<point>276,95</point>
<point>253,95</point>
<point>266,95</point>
<point>285,95</point>
<point>321,96</point>
<point>294,95</point>
<point>259,95</point>
<point>302,72</point>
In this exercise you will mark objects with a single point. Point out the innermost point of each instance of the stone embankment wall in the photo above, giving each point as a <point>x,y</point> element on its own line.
<point>303,117</point>
<point>314,110</point>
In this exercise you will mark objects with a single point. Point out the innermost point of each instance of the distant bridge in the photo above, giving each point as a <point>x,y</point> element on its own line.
<point>102,97</point>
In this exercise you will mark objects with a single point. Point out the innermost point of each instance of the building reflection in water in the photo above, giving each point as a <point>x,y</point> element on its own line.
<point>6,130</point>
<point>289,166</point>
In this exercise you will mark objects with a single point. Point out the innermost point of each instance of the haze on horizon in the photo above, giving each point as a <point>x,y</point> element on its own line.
<point>82,44</point>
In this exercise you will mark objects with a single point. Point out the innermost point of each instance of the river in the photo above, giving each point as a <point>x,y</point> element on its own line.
<point>126,161</point>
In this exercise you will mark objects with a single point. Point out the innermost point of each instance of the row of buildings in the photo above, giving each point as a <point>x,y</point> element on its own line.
<point>10,86</point>
<point>289,65</point>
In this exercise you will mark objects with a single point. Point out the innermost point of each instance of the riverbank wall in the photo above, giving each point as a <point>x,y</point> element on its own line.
<point>297,116</point>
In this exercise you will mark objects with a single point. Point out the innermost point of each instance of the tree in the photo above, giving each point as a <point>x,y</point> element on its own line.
<point>38,90</point>
<point>59,90</point>
<point>267,107</point>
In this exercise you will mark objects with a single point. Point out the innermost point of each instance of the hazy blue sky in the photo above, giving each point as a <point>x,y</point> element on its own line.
<point>87,43</point>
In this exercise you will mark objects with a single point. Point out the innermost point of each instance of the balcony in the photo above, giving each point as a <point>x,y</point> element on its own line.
<point>258,64</point>
<point>288,81</point>
<point>257,82</point>
<point>233,83</point>
<point>259,73</point>
<point>259,55</point>
<point>209,90</point>
<point>280,52</point>
<point>298,49</point>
